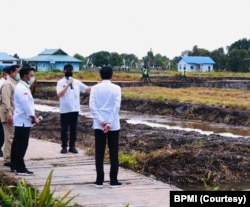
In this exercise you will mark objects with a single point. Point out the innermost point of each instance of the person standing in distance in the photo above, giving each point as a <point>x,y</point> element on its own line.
<point>7,110</point>
<point>24,118</point>
<point>104,103</point>
<point>4,77</point>
<point>68,91</point>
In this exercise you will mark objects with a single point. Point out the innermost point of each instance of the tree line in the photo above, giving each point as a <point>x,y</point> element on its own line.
<point>236,58</point>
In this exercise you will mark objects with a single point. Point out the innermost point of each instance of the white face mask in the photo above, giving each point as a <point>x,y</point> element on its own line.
<point>32,79</point>
<point>17,77</point>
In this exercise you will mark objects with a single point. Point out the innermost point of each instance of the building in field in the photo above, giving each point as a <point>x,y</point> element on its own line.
<point>53,59</point>
<point>195,64</point>
<point>7,60</point>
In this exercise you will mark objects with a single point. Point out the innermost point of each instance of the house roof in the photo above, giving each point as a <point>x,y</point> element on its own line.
<point>53,52</point>
<point>198,60</point>
<point>5,57</point>
<point>53,55</point>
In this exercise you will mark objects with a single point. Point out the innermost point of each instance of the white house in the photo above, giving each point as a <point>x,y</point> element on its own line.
<point>195,64</point>
<point>7,60</point>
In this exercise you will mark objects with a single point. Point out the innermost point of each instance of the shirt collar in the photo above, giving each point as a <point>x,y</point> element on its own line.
<point>25,84</point>
<point>106,81</point>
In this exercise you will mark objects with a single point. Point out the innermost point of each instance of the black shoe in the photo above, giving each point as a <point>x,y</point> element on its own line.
<point>1,153</point>
<point>12,169</point>
<point>7,164</point>
<point>115,185</point>
<point>24,172</point>
<point>97,185</point>
<point>64,150</point>
<point>73,150</point>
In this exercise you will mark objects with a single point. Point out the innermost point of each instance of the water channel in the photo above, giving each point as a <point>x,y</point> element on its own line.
<point>161,121</point>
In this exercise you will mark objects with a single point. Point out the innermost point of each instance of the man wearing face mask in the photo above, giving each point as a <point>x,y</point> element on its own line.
<point>24,118</point>
<point>68,90</point>
<point>7,110</point>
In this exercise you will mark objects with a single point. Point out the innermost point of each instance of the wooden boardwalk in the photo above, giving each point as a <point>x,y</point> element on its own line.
<point>76,172</point>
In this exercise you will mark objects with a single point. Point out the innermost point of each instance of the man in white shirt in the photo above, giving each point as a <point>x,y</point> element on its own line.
<point>104,103</point>
<point>24,118</point>
<point>68,90</point>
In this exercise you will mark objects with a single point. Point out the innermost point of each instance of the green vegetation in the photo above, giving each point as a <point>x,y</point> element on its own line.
<point>23,195</point>
<point>235,58</point>
<point>128,160</point>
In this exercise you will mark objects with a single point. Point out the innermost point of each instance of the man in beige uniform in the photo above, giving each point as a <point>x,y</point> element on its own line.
<point>4,77</point>
<point>7,110</point>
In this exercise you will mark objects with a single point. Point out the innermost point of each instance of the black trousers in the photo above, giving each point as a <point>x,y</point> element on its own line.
<point>1,135</point>
<point>68,120</point>
<point>19,147</point>
<point>100,144</point>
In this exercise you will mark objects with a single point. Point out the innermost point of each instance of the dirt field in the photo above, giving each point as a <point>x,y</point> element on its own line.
<point>172,156</point>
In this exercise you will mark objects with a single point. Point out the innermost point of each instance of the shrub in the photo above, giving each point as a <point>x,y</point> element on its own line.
<point>23,195</point>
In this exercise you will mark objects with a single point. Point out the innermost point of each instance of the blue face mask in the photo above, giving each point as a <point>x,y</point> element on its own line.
<point>32,79</point>
<point>17,77</point>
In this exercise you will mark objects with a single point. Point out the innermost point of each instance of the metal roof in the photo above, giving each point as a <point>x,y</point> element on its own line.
<point>198,60</point>
<point>5,57</point>
<point>54,58</point>
<point>53,55</point>
<point>53,52</point>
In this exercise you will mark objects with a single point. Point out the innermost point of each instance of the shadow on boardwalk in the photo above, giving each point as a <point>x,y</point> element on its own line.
<point>76,172</point>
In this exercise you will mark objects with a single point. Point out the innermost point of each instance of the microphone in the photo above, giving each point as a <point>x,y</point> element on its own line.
<point>71,86</point>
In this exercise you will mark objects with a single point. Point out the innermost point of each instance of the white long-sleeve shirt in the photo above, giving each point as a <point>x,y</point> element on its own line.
<point>24,105</point>
<point>70,101</point>
<point>104,103</point>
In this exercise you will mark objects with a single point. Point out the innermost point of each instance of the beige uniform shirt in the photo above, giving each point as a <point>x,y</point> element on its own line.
<point>7,99</point>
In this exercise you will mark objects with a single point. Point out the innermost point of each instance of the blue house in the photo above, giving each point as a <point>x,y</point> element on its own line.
<point>53,59</point>
<point>7,60</point>
<point>195,64</point>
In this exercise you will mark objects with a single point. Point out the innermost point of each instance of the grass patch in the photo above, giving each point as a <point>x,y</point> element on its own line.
<point>228,98</point>
<point>127,160</point>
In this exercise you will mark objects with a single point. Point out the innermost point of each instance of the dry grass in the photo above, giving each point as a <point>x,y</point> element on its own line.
<point>90,74</point>
<point>233,98</point>
<point>133,75</point>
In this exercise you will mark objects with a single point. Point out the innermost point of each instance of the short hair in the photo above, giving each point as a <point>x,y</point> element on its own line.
<point>106,72</point>
<point>25,70</point>
<point>5,69</point>
<point>12,68</point>
<point>68,67</point>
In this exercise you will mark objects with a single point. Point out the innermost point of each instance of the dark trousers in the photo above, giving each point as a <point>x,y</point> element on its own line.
<point>19,147</point>
<point>68,120</point>
<point>1,135</point>
<point>100,144</point>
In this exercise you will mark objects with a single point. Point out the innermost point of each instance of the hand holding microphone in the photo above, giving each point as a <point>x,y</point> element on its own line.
<point>70,82</point>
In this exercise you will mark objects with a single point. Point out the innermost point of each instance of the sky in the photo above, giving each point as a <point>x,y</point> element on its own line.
<point>167,27</point>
